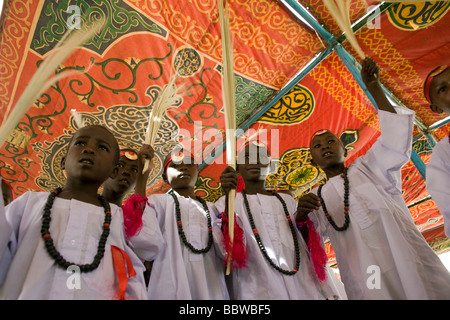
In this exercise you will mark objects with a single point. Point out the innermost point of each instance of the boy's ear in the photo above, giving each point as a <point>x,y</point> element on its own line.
<point>63,163</point>
<point>436,109</point>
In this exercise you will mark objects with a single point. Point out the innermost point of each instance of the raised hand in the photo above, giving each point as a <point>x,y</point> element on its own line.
<point>370,72</point>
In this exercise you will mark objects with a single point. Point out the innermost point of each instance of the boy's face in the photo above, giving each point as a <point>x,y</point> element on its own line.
<point>126,176</point>
<point>182,174</point>
<point>327,150</point>
<point>91,155</point>
<point>440,92</point>
<point>253,163</point>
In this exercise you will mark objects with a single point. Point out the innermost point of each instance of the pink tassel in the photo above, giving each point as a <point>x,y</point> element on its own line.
<point>238,253</point>
<point>133,209</point>
<point>318,256</point>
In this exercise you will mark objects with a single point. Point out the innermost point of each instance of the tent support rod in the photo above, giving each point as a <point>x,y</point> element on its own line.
<point>420,165</point>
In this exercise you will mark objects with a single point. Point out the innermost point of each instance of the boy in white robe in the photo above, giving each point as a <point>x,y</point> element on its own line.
<point>190,266</point>
<point>282,274</point>
<point>379,251</point>
<point>66,256</point>
<point>437,93</point>
<point>130,176</point>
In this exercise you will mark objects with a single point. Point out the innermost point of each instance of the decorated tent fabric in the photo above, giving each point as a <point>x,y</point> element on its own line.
<point>286,70</point>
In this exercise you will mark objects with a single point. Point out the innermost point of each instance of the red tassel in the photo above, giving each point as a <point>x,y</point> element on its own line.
<point>240,185</point>
<point>238,253</point>
<point>133,209</point>
<point>318,256</point>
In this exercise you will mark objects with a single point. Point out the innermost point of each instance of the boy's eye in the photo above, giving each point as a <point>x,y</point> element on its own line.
<point>317,145</point>
<point>103,147</point>
<point>442,89</point>
<point>134,170</point>
<point>79,143</point>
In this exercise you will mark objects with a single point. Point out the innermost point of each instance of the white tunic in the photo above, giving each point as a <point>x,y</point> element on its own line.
<point>260,280</point>
<point>382,255</point>
<point>438,179</point>
<point>178,273</point>
<point>28,272</point>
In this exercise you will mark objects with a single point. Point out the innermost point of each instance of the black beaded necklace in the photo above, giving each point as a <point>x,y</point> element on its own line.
<point>259,241</point>
<point>346,204</point>
<point>180,225</point>
<point>49,245</point>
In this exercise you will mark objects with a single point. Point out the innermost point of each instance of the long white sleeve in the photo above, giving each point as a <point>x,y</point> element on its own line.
<point>438,180</point>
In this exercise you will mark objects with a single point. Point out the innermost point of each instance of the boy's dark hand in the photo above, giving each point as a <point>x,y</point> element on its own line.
<point>306,204</point>
<point>369,72</point>
<point>228,179</point>
<point>145,153</point>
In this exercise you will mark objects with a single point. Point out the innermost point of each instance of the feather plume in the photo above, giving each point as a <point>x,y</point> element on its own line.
<point>78,118</point>
<point>169,96</point>
<point>340,11</point>
<point>228,92</point>
<point>68,44</point>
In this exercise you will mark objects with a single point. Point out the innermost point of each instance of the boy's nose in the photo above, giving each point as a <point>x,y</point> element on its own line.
<point>88,149</point>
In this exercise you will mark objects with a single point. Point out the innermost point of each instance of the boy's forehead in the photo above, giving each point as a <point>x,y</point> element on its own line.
<point>178,156</point>
<point>124,159</point>
<point>100,134</point>
<point>433,79</point>
<point>254,147</point>
<point>94,131</point>
<point>442,76</point>
<point>322,134</point>
<point>186,159</point>
<point>253,150</point>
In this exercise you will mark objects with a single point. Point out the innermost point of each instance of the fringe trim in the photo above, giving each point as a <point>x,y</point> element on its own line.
<point>239,255</point>
<point>318,256</point>
<point>133,209</point>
